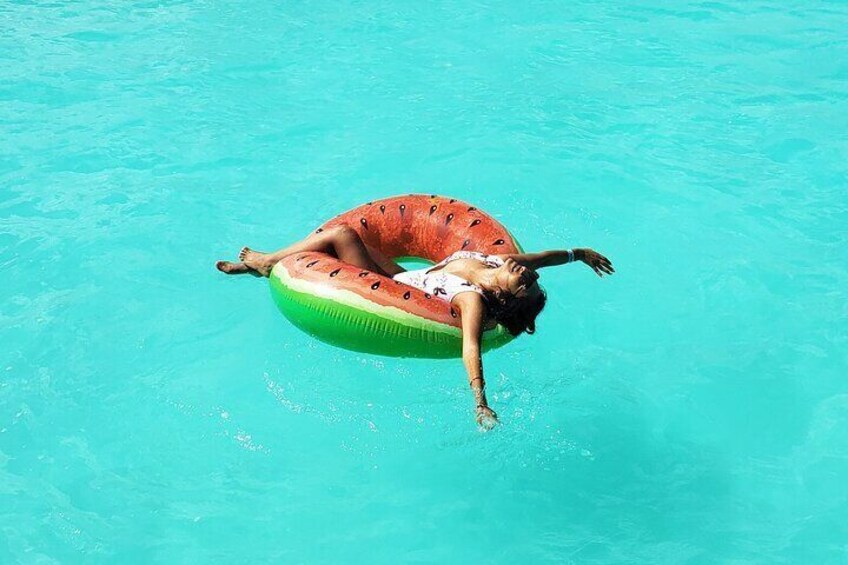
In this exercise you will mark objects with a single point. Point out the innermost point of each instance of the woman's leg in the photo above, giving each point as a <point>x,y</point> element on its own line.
<point>342,242</point>
<point>235,268</point>
<point>387,265</point>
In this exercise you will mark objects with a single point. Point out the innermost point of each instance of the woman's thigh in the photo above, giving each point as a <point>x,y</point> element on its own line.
<point>346,245</point>
<point>390,267</point>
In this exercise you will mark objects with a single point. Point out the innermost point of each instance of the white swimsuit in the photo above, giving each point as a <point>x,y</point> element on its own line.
<point>446,285</point>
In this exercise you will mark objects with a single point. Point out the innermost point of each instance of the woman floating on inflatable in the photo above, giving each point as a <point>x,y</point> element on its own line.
<point>342,285</point>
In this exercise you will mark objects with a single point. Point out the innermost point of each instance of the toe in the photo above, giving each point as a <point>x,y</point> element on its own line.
<point>232,268</point>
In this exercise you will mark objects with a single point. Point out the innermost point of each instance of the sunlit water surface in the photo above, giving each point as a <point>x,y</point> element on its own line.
<point>691,409</point>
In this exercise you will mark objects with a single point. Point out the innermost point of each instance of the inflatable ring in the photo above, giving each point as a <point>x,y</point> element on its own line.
<point>363,311</point>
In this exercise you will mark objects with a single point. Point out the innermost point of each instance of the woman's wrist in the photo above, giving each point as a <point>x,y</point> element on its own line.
<point>579,253</point>
<point>571,255</point>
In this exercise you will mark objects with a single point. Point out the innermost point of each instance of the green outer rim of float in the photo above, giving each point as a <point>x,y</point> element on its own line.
<point>346,319</point>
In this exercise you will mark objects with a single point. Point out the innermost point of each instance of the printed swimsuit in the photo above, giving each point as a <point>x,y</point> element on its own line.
<point>446,285</point>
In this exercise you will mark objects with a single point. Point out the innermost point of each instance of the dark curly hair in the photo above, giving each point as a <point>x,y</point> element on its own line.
<point>516,314</point>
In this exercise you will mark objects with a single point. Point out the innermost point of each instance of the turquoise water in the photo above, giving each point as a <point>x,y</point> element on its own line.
<point>691,409</point>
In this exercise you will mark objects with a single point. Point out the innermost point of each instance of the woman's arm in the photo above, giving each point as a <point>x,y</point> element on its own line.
<point>600,264</point>
<point>472,311</point>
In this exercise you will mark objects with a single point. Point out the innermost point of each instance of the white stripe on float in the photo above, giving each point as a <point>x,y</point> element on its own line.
<point>353,300</point>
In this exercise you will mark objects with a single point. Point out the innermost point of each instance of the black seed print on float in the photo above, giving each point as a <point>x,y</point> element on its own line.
<point>309,265</point>
<point>432,209</point>
<point>432,196</point>
<point>334,273</point>
<point>364,223</point>
<point>375,286</point>
<point>452,200</point>
<point>369,203</point>
<point>364,274</point>
<point>453,313</point>
<point>471,208</point>
<point>474,223</point>
<point>406,295</point>
<point>319,230</point>
<point>427,295</point>
<point>465,243</point>
<point>449,218</point>
<point>498,242</point>
<point>382,208</point>
<point>402,209</point>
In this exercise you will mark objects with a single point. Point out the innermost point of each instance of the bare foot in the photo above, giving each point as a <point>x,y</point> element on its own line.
<point>255,260</point>
<point>235,268</point>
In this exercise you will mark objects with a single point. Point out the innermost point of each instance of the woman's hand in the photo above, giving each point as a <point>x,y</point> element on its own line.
<point>600,264</point>
<point>486,417</point>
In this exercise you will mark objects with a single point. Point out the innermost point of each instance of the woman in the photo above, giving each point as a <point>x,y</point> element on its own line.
<point>485,289</point>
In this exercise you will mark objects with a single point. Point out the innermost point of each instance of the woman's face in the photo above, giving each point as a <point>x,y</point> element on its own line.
<point>517,279</point>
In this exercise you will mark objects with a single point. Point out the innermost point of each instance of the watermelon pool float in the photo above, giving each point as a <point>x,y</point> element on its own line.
<point>360,310</point>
